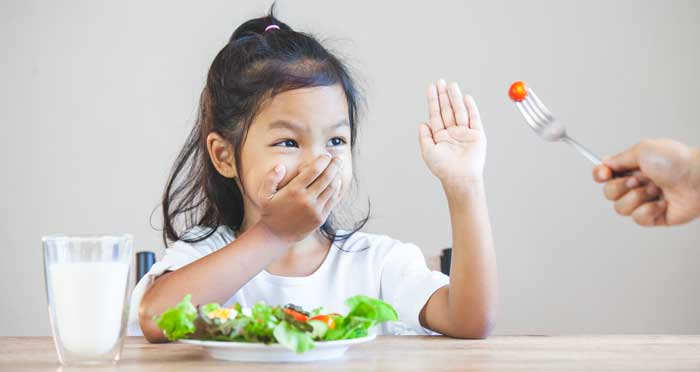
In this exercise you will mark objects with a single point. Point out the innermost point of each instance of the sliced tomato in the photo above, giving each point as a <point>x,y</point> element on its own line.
<point>297,315</point>
<point>328,319</point>
<point>518,91</point>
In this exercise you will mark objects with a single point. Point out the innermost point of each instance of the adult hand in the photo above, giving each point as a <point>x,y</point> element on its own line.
<point>660,182</point>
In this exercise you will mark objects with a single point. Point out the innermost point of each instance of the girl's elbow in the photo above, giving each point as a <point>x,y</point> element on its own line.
<point>150,330</point>
<point>477,329</point>
<point>481,333</point>
<point>152,334</point>
<point>155,338</point>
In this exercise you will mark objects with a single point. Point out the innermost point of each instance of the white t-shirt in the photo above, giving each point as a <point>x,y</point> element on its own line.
<point>369,264</point>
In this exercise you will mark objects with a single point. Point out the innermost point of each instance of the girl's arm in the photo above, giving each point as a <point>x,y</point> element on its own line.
<point>287,216</point>
<point>213,278</point>
<point>454,148</point>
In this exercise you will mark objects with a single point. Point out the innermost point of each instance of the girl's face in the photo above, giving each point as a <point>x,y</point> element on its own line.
<point>294,128</point>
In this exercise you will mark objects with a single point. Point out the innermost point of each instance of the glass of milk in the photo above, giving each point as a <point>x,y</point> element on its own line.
<point>87,285</point>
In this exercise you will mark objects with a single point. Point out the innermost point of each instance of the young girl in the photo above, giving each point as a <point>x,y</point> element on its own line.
<point>255,186</point>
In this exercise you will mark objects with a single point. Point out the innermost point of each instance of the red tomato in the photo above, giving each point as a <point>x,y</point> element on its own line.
<point>326,319</point>
<point>518,91</point>
<point>297,315</point>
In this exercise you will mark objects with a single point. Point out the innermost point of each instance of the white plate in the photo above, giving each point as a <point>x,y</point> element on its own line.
<point>259,352</point>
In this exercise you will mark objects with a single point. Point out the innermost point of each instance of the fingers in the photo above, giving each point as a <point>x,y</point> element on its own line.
<point>474,116</point>
<point>614,189</point>
<point>634,195</point>
<point>635,198</point>
<point>331,172</point>
<point>333,200</point>
<point>624,161</point>
<point>448,107</point>
<point>619,186</point>
<point>448,116</point>
<point>271,183</point>
<point>425,137</point>
<point>458,105</point>
<point>309,173</point>
<point>651,213</point>
<point>602,173</point>
<point>434,109</point>
<point>330,191</point>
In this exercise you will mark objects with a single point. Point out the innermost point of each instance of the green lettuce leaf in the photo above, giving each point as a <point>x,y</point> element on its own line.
<point>292,338</point>
<point>371,308</point>
<point>206,309</point>
<point>262,324</point>
<point>178,322</point>
<point>365,313</point>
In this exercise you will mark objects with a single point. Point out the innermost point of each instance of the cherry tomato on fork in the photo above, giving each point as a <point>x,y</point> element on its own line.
<point>518,91</point>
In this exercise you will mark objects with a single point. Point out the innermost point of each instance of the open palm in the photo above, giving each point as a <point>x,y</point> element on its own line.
<point>453,144</point>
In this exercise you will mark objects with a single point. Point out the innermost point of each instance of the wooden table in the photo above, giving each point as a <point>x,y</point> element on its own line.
<point>406,353</point>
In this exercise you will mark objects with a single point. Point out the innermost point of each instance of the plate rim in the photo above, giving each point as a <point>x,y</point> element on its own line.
<point>244,345</point>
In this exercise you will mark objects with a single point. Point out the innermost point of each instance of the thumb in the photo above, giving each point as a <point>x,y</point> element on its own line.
<point>602,173</point>
<point>624,161</point>
<point>425,137</point>
<point>272,181</point>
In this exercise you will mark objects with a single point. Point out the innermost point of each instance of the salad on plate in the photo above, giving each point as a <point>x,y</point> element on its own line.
<point>289,325</point>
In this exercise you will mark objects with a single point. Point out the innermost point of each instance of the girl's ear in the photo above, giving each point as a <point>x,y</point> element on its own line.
<point>221,155</point>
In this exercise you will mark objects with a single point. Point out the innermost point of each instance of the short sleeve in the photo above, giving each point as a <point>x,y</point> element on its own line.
<point>407,283</point>
<point>178,255</point>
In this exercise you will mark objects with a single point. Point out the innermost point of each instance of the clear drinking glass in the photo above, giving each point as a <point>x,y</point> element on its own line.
<point>87,285</point>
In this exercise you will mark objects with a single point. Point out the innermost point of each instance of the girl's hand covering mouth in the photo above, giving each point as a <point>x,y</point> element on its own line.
<point>453,143</point>
<point>302,205</point>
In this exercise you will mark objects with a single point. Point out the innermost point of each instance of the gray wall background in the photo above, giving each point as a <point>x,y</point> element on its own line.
<point>97,97</point>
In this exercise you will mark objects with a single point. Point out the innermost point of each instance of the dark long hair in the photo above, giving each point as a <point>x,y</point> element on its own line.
<point>255,64</point>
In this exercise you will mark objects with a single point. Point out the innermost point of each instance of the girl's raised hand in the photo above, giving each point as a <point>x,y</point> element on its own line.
<point>453,144</point>
<point>302,205</point>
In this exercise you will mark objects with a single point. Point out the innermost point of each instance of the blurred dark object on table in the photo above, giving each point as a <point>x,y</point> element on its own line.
<point>144,261</point>
<point>445,259</point>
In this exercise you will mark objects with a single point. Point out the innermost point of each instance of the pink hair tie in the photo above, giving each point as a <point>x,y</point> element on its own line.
<point>272,27</point>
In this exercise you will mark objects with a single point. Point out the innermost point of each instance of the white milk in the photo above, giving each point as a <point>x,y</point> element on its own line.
<point>88,301</point>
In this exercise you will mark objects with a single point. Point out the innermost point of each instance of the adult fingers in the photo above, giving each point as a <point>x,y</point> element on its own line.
<point>624,161</point>
<point>635,198</point>
<point>602,173</point>
<point>650,213</point>
<point>619,186</point>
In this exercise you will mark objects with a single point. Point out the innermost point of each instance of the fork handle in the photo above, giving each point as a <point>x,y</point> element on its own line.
<point>582,150</point>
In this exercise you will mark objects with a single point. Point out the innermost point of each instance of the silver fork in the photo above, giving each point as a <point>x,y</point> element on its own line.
<point>543,123</point>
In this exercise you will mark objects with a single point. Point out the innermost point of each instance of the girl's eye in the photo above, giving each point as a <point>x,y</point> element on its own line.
<point>336,141</point>
<point>287,143</point>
